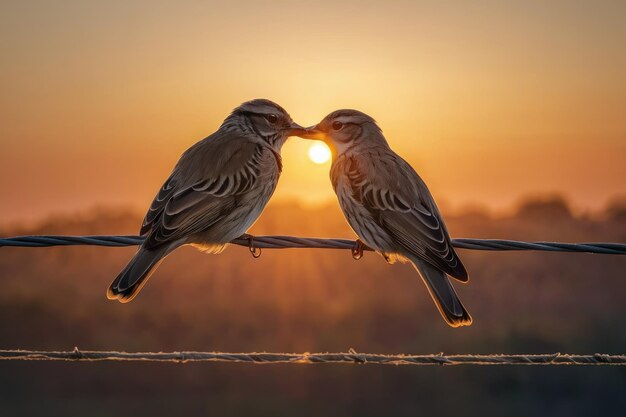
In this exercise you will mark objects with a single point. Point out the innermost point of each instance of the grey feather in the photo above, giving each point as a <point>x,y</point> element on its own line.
<point>216,191</point>
<point>132,278</point>
<point>443,294</point>
<point>389,206</point>
<point>393,196</point>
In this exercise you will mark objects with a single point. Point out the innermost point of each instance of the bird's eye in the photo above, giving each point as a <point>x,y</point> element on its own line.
<point>337,125</point>
<point>272,118</point>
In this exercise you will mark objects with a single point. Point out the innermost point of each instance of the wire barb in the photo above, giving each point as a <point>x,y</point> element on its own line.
<point>350,357</point>
<point>284,242</point>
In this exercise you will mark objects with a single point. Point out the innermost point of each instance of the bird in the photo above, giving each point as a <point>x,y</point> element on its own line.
<point>215,193</point>
<point>389,206</point>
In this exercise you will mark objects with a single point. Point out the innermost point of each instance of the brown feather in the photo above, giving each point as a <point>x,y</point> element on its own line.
<point>398,202</point>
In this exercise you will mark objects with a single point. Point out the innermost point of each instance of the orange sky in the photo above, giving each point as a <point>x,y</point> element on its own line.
<point>489,101</point>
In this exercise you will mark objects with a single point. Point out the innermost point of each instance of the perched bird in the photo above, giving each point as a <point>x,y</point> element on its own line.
<point>217,190</point>
<point>389,206</point>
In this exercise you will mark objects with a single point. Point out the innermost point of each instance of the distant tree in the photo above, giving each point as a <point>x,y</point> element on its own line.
<point>616,209</point>
<point>550,207</point>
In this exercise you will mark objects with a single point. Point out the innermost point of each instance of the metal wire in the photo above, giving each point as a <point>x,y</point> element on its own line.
<point>350,357</point>
<point>284,242</point>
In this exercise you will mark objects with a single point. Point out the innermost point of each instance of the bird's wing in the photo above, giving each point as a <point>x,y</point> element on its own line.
<point>204,185</point>
<point>399,201</point>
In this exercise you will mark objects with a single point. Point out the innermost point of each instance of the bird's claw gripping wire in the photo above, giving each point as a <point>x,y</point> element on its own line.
<point>256,252</point>
<point>357,250</point>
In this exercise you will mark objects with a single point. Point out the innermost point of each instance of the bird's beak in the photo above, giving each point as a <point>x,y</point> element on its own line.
<point>313,133</point>
<point>295,130</point>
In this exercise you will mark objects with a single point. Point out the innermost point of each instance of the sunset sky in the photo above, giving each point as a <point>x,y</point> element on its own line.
<point>489,101</point>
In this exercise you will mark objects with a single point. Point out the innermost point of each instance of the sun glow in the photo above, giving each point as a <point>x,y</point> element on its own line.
<point>319,153</point>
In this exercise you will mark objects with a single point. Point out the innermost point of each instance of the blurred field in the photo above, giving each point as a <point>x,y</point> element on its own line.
<point>316,300</point>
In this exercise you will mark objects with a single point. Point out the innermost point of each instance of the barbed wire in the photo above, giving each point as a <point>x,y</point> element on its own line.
<point>285,242</point>
<point>350,357</point>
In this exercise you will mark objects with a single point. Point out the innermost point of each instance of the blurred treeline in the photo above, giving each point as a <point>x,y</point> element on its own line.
<point>316,300</point>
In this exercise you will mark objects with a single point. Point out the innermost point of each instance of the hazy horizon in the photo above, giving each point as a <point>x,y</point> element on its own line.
<point>28,217</point>
<point>546,205</point>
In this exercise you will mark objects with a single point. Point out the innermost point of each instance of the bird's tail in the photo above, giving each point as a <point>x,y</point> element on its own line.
<point>443,294</point>
<point>135,275</point>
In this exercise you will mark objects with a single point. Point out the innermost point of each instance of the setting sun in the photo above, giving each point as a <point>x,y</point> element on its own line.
<point>319,153</point>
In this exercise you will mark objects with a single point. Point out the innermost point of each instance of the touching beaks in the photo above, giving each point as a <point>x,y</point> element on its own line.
<point>313,133</point>
<point>295,129</point>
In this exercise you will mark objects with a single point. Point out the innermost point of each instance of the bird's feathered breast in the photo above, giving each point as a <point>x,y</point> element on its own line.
<point>209,181</point>
<point>399,202</point>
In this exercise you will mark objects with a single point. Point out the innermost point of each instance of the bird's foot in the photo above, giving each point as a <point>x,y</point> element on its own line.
<point>357,250</point>
<point>256,252</point>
